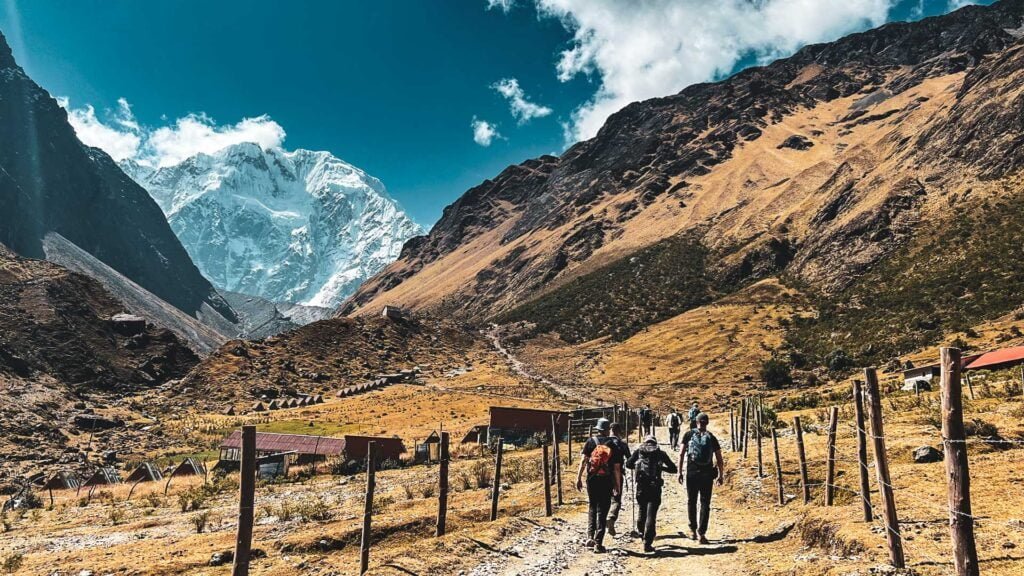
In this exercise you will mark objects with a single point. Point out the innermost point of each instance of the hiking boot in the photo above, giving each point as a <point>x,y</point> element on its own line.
<point>693,534</point>
<point>635,534</point>
<point>648,548</point>
<point>589,543</point>
<point>599,549</point>
<point>611,529</point>
<point>702,539</point>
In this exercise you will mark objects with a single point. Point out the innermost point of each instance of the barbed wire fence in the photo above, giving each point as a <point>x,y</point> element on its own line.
<point>956,510</point>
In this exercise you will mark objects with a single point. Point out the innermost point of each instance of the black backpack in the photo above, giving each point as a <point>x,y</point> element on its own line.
<point>648,467</point>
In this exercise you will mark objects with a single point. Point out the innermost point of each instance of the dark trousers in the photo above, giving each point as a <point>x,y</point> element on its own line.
<point>673,438</point>
<point>613,510</point>
<point>599,493</point>
<point>646,523</point>
<point>698,487</point>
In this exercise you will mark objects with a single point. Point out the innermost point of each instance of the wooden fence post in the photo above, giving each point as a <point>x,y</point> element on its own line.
<point>496,483</point>
<point>246,499</point>
<point>803,459</point>
<point>757,435</point>
<point>892,523</point>
<point>732,430</point>
<point>547,482</point>
<point>371,473</point>
<point>557,456</point>
<point>442,487</point>
<point>778,468</point>
<point>862,450</point>
<point>958,476</point>
<point>830,465</point>
<point>568,439</point>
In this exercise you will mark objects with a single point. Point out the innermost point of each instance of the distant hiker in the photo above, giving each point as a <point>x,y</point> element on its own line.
<point>700,463</point>
<point>694,412</point>
<point>602,462</point>
<point>649,461</point>
<point>674,422</point>
<point>616,506</point>
<point>646,420</point>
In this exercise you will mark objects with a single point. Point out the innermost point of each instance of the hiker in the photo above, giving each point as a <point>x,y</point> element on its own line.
<point>649,461</point>
<point>694,412</point>
<point>616,506</point>
<point>674,422</point>
<point>646,420</point>
<point>700,464</point>
<point>602,462</point>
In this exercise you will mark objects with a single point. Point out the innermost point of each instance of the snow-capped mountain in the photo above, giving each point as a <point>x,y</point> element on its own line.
<point>301,227</point>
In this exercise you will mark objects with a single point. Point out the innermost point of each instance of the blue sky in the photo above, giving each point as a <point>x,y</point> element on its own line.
<point>394,86</point>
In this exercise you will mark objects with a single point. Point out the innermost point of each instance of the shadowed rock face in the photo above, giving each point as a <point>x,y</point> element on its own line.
<point>651,151</point>
<point>51,182</point>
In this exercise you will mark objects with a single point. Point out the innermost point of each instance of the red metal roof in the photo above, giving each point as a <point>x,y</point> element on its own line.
<point>995,358</point>
<point>299,443</point>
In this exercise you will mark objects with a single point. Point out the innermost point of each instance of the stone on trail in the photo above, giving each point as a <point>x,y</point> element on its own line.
<point>926,455</point>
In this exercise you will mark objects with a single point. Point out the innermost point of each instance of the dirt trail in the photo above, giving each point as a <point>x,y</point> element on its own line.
<point>559,551</point>
<point>520,368</point>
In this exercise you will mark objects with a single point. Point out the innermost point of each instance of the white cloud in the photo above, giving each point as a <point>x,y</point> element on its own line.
<point>121,138</point>
<point>958,4</point>
<point>522,109</point>
<point>641,50</point>
<point>120,134</point>
<point>197,133</point>
<point>484,132</point>
<point>503,5</point>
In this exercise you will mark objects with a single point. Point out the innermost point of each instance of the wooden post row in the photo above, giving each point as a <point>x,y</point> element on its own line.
<point>496,483</point>
<point>246,500</point>
<point>745,429</point>
<point>442,487</point>
<point>371,477</point>
<point>958,476</point>
<point>830,465</point>
<point>803,459</point>
<point>892,523</point>
<point>778,468</point>
<point>862,450</point>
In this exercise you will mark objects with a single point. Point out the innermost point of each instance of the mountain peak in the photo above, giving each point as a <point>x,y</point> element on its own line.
<point>296,226</point>
<point>6,56</point>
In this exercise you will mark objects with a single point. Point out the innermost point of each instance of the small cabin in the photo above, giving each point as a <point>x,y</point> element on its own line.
<point>146,472</point>
<point>920,377</point>
<point>517,425</point>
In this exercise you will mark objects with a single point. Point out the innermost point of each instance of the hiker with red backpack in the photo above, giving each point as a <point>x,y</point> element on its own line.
<point>649,461</point>
<point>602,463</point>
<point>700,464</point>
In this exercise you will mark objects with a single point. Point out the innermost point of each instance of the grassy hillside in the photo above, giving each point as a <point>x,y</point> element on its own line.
<point>622,298</point>
<point>964,271</point>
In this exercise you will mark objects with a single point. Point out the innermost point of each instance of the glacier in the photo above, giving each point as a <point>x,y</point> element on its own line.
<point>299,227</point>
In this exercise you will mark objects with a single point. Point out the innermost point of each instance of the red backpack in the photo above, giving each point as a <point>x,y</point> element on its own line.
<point>600,461</point>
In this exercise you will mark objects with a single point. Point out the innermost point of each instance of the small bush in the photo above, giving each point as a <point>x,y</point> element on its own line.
<point>314,509</point>
<point>5,522</point>
<point>775,373</point>
<point>116,515</point>
<point>428,490</point>
<point>199,521</point>
<point>153,500</point>
<point>464,481</point>
<point>13,562</point>
<point>482,473</point>
<point>409,495</point>
<point>381,504</point>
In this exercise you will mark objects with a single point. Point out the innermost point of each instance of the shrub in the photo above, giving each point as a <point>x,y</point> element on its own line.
<point>199,521</point>
<point>409,495</point>
<point>116,515</point>
<point>153,500</point>
<point>314,509</point>
<point>775,373</point>
<point>5,522</point>
<point>838,360</point>
<point>482,473</point>
<point>12,562</point>
<point>428,490</point>
<point>464,481</point>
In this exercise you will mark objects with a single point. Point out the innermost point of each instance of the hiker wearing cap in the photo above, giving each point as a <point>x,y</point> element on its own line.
<point>602,463</point>
<point>700,463</point>
<point>692,415</point>
<point>649,461</point>
<point>616,505</point>
<point>675,421</point>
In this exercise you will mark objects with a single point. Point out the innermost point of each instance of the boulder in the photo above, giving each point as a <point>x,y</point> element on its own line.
<point>128,324</point>
<point>222,558</point>
<point>796,142</point>
<point>926,455</point>
<point>93,422</point>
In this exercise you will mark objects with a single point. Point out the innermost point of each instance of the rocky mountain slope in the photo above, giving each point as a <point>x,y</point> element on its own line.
<point>301,226</point>
<point>815,169</point>
<point>51,182</point>
<point>60,347</point>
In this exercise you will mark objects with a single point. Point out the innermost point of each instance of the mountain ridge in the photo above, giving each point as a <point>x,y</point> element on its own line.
<point>816,166</point>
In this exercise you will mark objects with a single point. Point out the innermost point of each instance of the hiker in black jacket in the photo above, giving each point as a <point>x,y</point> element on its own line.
<point>649,461</point>
<point>602,463</point>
